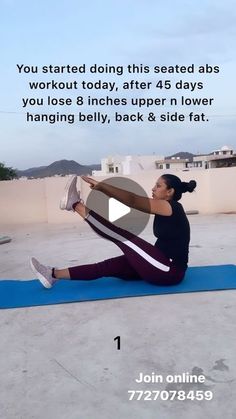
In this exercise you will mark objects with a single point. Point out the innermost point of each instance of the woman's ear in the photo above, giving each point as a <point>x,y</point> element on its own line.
<point>171,192</point>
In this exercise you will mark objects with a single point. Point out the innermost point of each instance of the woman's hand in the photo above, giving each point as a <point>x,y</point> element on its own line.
<point>92,183</point>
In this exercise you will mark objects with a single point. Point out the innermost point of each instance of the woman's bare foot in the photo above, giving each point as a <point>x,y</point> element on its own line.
<point>81,209</point>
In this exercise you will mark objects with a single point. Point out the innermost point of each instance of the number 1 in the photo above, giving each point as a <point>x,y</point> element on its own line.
<point>118,342</point>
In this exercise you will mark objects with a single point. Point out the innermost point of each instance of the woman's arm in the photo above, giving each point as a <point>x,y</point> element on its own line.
<point>148,205</point>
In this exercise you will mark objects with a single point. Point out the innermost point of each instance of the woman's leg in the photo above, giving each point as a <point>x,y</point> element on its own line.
<point>117,267</point>
<point>147,260</point>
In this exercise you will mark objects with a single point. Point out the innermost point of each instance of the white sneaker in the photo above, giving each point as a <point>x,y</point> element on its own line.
<point>43,273</point>
<point>71,195</point>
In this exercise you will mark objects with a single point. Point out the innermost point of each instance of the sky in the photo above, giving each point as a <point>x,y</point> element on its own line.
<point>152,33</point>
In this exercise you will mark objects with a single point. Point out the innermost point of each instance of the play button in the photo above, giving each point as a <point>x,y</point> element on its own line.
<point>115,211</point>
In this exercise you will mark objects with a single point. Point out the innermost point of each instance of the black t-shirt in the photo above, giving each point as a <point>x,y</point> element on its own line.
<point>173,234</point>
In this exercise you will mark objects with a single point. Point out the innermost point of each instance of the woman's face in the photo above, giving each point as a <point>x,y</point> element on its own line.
<point>160,191</point>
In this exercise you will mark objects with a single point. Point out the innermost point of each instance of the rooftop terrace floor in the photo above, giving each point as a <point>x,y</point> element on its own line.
<point>61,361</point>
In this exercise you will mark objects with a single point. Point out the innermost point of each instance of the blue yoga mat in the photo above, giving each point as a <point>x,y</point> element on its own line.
<point>17,293</point>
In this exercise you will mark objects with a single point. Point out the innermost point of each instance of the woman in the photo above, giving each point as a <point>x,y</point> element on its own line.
<point>164,263</point>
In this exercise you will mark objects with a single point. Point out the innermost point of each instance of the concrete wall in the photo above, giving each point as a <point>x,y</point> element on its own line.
<point>36,201</point>
<point>23,201</point>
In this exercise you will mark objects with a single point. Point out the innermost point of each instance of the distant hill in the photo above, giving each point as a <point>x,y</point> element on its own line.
<point>182,155</point>
<point>61,167</point>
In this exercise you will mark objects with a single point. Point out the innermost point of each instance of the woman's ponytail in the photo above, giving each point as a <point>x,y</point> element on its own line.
<point>188,186</point>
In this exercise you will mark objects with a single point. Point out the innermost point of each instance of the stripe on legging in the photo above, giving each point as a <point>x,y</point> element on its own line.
<point>128,243</point>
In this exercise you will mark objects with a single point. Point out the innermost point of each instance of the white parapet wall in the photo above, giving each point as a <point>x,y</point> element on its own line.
<point>37,200</point>
<point>23,201</point>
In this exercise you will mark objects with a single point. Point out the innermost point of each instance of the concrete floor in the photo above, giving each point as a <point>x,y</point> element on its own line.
<point>62,362</point>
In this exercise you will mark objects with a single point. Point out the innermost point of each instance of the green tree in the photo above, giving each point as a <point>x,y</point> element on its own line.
<point>7,173</point>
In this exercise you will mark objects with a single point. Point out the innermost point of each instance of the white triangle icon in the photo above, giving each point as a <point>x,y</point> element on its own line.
<point>116,210</point>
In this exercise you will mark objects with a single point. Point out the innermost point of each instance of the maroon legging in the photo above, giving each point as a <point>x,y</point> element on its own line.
<point>141,260</point>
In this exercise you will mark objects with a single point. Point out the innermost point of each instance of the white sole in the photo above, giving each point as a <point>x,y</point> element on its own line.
<point>40,277</point>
